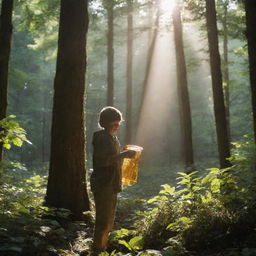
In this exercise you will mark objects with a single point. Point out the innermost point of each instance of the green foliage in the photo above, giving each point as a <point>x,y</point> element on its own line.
<point>134,244</point>
<point>20,191</point>
<point>12,133</point>
<point>181,224</point>
<point>196,7</point>
<point>235,18</point>
<point>30,95</point>
<point>34,234</point>
<point>203,205</point>
<point>39,15</point>
<point>121,233</point>
<point>108,254</point>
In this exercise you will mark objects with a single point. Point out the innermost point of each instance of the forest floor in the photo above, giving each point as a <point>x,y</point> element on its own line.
<point>31,235</point>
<point>38,232</point>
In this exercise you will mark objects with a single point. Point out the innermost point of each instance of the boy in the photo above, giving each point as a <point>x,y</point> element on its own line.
<point>106,176</point>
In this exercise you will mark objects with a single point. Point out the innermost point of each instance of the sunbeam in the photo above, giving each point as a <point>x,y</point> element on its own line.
<point>159,122</point>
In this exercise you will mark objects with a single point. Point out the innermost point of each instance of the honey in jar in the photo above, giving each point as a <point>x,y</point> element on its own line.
<point>130,166</point>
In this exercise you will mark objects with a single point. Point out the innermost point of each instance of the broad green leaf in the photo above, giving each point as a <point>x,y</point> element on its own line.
<point>171,225</point>
<point>214,170</point>
<point>185,220</point>
<point>187,196</point>
<point>156,198</point>
<point>137,242</point>
<point>17,142</point>
<point>192,173</point>
<point>117,234</point>
<point>184,181</point>
<point>123,242</point>
<point>7,146</point>
<point>167,190</point>
<point>208,178</point>
<point>182,173</point>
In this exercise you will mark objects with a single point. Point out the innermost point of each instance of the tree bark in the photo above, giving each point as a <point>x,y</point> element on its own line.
<point>5,49</point>
<point>184,103</point>
<point>218,96</point>
<point>225,67</point>
<point>150,22</point>
<point>67,175</point>
<point>129,72</point>
<point>110,54</point>
<point>250,10</point>
<point>44,127</point>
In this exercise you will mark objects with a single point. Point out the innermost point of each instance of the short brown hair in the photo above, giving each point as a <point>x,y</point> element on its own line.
<point>108,115</point>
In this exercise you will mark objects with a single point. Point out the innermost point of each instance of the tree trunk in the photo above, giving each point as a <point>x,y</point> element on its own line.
<point>225,67</point>
<point>250,10</point>
<point>5,49</point>
<point>129,72</point>
<point>110,53</point>
<point>218,96</point>
<point>44,125</point>
<point>184,103</point>
<point>150,22</point>
<point>67,175</point>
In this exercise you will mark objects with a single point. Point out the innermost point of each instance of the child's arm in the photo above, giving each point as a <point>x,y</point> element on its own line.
<point>127,154</point>
<point>104,155</point>
<point>124,154</point>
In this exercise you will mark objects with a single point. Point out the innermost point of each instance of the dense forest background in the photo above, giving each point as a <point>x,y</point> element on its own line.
<point>32,69</point>
<point>155,61</point>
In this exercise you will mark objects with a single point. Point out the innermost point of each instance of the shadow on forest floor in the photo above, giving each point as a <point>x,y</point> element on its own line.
<point>45,232</point>
<point>31,235</point>
<point>27,234</point>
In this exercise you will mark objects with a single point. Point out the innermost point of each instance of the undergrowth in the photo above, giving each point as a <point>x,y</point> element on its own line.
<point>205,211</point>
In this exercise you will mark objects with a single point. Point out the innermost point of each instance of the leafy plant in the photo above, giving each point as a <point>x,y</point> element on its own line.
<point>108,254</point>
<point>21,196</point>
<point>204,204</point>
<point>134,244</point>
<point>181,224</point>
<point>121,233</point>
<point>12,133</point>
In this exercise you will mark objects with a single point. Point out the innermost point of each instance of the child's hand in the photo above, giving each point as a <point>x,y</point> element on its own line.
<point>131,153</point>
<point>125,147</point>
<point>128,153</point>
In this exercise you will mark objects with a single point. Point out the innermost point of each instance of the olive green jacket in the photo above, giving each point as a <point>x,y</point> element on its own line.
<point>106,166</point>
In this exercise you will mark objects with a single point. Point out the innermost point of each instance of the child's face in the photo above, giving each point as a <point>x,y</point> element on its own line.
<point>113,127</point>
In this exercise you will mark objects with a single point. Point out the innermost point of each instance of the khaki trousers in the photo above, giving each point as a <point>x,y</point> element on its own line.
<point>105,204</point>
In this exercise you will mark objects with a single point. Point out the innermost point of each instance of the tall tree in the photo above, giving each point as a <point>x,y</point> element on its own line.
<point>129,71</point>
<point>250,10</point>
<point>66,183</point>
<point>5,48</point>
<point>226,81</point>
<point>184,103</point>
<point>218,96</point>
<point>110,52</point>
<point>150,20</point>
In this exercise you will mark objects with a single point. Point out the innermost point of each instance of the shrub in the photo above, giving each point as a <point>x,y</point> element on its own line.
<point>204,207</point>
